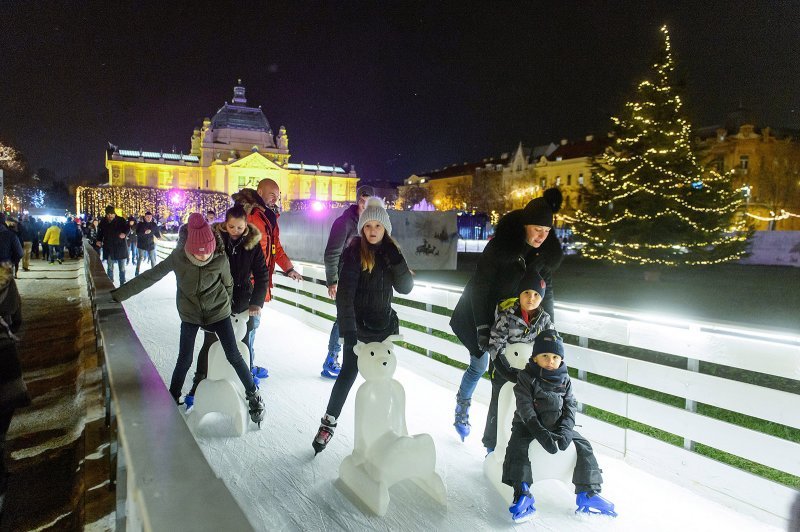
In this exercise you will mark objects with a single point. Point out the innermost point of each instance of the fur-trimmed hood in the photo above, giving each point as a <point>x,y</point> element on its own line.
<point>252,236</point>
<point>510,232</point>
<point>249,199</point>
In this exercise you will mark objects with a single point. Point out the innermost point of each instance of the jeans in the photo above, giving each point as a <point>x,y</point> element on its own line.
<point>477,367</point>
<point>134,251</point>
<point>224,331</point>
<point>56,253</point>
<point>110,269</point>
<point>341,388</point>
<point>209,339</point>
<point>333,342</point>
<point>252,325</point>
<point>151,256</point>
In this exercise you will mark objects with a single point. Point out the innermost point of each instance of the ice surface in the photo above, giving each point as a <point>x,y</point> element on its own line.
<point>274,476</point>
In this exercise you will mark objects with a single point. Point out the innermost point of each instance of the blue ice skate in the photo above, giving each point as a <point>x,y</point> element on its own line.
<point>331,366</point>
<point>522,509</point>
<point>462,417</point>
<point>188,400</point>
<point>593,503</point>
<point>259,372</point>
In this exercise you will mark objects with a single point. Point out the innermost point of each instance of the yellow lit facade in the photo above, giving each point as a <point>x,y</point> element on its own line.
<point>766,167</point>
<point>234,149</point>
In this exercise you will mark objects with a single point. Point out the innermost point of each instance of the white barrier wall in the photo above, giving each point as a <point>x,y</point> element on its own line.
<point>778,355</point>
<point>776,248</point>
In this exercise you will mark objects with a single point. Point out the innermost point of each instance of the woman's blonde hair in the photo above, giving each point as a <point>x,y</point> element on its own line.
<point>368,255</point>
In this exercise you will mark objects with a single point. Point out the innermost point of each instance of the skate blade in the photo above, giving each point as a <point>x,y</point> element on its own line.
<point>524,516</point>
<point>328,375</point>
<point>594,511</point>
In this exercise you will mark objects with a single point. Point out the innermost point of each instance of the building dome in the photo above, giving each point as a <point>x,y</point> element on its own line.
<point>238,115</point>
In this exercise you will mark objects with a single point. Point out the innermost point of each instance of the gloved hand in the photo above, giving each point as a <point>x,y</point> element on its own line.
<point>393,254</point>
<point>483,337</point>
<point>547,441</point>
<point>564,437</point>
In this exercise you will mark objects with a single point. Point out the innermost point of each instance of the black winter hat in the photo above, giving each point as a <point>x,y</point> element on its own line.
<point>531,281</point>
<point>110,209</point>
<point>548,342</point>
<point>540,211</point>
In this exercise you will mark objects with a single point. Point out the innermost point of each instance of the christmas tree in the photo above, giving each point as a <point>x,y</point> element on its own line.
<point>652,202</point>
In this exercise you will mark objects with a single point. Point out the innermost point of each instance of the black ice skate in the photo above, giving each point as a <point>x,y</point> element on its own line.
<point>256,407</point>
<point>324,434</point>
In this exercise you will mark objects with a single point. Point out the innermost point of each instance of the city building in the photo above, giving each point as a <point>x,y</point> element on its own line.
<point>766,166</point>
<point>235,148</point>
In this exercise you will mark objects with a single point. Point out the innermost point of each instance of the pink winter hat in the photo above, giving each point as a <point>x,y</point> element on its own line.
<point>201,239</point>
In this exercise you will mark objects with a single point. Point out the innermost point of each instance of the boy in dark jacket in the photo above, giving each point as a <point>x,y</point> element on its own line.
<point>546,413</point>
<point>344,229</point>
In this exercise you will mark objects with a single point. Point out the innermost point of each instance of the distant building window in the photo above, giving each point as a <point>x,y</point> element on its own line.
<point>569,179</point>
<point>558,180</point>
<point>543,182</point>
<point>519,167</point>
<point>719,165</point>
<point>580,180</point>
<point>744,162</point>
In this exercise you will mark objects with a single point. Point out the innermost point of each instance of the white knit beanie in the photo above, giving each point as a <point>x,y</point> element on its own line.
<point>377,212</point>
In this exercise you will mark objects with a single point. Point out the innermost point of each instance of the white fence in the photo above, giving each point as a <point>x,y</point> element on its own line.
<point>737,347</point>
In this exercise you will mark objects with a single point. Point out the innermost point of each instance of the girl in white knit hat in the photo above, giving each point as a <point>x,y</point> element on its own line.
<point>372,266</point>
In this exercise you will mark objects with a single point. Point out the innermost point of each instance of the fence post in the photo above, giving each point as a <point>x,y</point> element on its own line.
<point>428,330</point>
<point>692,364</point>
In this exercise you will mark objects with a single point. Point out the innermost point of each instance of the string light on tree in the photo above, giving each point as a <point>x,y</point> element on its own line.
<point>652,202</point>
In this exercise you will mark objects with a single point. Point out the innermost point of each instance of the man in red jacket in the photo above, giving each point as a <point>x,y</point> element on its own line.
<point>261,206</point>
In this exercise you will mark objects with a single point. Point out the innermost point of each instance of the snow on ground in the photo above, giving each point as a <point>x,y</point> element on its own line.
<point>275,477</point>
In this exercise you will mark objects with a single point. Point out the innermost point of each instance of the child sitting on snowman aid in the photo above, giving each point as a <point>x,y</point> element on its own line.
<point>546,413</point>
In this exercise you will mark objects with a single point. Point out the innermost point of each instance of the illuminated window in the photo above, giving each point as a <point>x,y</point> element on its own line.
<point>580,179</point>
<point>744,162</point>
<point>558,180</point>
<point>543,182</point>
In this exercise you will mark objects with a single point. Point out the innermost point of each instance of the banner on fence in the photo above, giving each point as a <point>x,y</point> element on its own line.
<point>428,239</point>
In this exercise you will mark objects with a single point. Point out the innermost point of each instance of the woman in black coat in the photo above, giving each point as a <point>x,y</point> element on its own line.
<point>372,267</point>
<point>249,271</point>
<point>523,240</point>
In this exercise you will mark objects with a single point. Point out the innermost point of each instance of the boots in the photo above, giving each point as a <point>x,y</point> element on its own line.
<point>462,417</point>
<point>324,434</point>
<point>331,367</point>
<point>256,406</point>
<point>522,508</point>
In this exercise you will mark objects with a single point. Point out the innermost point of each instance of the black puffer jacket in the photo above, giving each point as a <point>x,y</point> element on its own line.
<point>247,261</point>
<point>114,247</point>
<point>344,229</point>
<point>145,240</point>
<point>363,300</point>
<point>501,266</point>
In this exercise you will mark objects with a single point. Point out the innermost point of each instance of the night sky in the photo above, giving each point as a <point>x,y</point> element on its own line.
<point>394,88</point>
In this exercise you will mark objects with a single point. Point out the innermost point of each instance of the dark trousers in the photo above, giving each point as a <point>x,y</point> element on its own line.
<point>224,331</point>
<point>345,380</point>
<point>45,251</point>
<point>209,339</point>
<point>517,465</point>
<point>490,432</point>
<point>5,422</point>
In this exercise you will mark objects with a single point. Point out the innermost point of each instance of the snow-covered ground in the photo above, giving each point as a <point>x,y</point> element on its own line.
<point>275,477</point>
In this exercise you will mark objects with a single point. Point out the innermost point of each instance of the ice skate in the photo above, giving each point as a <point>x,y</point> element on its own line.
<point>256,407</point>
<point>331,366</point>
<point>592,503</point>
<point>462,417</point>
<point>522,508</point>
<point>324,434</point>
<point>258,371</point>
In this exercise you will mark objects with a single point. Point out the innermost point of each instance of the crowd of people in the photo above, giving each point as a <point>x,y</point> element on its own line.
<point>226,268</point>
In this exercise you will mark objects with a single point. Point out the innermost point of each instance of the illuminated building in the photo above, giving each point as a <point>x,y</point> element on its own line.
<point>236,148</point>
<point>766,167</point>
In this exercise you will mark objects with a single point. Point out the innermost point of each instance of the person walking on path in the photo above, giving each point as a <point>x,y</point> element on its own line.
<point>53,240</point>
<point>28,232</point>
<point>261,206</point>
<point>133,254</point>
<point>523,240</point>
<point>10,247</point>
<point>343,230</point>
<point>205,287</point>
<point>372,268</point>
<point>146,231</point>
<point>111,236</point>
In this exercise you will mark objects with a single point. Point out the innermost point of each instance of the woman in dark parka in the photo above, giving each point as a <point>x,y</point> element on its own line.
<point>522,240</point>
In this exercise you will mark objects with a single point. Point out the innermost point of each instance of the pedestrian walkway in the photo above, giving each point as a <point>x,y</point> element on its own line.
<point>59,466</point>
